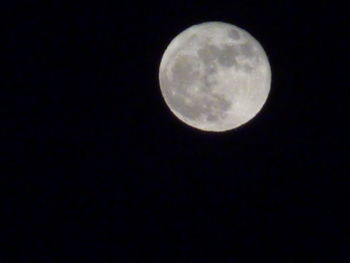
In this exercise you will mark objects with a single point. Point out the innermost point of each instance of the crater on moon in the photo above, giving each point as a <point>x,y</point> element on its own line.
<point>208,81</point>
<point>234,34</point>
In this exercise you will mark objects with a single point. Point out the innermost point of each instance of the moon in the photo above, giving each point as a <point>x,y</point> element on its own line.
<point>215,76</point>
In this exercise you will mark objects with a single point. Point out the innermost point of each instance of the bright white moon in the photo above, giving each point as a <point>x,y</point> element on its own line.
<point>215,76</point>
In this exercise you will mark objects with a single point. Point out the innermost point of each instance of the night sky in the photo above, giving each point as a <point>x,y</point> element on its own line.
<point>95,167</point>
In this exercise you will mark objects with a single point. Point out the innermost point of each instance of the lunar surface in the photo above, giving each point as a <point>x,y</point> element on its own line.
<point>215,76</point>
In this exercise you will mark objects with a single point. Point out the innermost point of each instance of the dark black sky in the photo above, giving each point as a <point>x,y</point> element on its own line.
<point>97,168</point>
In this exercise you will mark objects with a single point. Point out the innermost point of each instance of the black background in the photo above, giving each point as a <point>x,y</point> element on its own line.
<point>97,168</point>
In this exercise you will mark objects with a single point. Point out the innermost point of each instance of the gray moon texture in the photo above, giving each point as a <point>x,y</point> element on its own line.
<point>215,76</point>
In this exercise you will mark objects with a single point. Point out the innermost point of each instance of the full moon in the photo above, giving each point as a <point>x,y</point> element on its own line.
<point>215,76</point>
